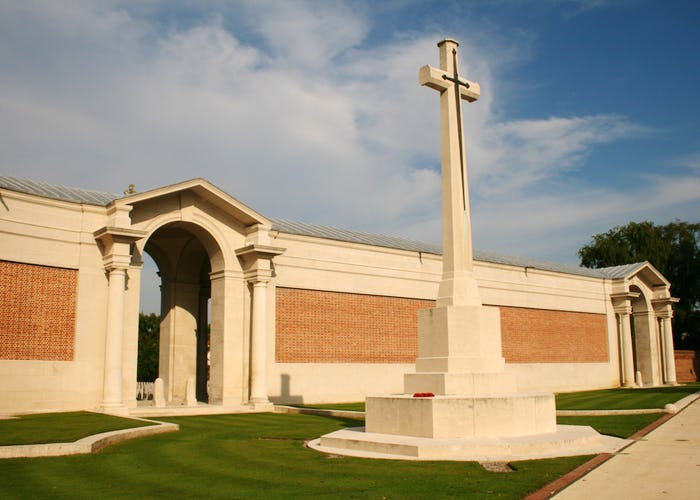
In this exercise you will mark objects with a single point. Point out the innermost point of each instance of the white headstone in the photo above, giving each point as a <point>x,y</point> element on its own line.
<point>158,393</point>
<point>191,392</point>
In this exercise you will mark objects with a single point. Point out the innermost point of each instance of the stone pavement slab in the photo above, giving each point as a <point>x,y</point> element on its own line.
<point>663,464</point>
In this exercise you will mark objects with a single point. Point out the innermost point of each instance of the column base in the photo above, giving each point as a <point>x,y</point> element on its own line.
<point>260,405</point>
<point>118,409</point>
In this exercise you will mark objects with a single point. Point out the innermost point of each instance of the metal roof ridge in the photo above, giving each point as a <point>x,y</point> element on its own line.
<point>56,191</point>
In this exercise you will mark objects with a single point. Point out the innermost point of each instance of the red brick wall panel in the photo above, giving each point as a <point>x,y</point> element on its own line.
<point>37,312</point>
<point>687,365</point>
<point>330,327</point>
<point>546,336</point>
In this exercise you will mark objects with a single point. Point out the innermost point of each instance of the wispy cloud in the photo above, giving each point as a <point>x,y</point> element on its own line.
<point>524,152</point>
<point>299,116</point>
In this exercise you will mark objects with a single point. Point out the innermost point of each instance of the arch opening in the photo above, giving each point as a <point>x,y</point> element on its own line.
<point>184,254</point>
<point>644,340</point>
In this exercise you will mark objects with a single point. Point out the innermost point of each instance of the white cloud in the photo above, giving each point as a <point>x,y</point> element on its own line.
<point>306,121</point>
<point>524,152</point>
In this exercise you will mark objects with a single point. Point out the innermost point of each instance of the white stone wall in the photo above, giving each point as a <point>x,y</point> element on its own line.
<point>53,233</point>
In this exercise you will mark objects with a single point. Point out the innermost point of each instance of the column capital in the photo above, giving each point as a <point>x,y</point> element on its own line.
<point>663,307</point>
<point>623,310</point>
<point>255,251</point>
<point>257,261</point>
<point>115,244</point>
<point>259,280</point>
<point>622,301</point>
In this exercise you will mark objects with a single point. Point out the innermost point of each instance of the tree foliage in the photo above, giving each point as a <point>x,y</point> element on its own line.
<point>673,249</point>
<point>149,341</point>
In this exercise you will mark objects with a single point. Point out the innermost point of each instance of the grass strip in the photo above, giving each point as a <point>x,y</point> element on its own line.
<point>622,426</point>
<point>624,399</point>
<point>606,399</point>
<point>60,427</point>
<point>335,406</point>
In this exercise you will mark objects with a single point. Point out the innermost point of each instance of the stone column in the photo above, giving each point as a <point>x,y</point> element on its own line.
<point>257,265</point>
<point>115,244</point>
<point>669,353</point>
<point>258,343</point>
<point>112,389</point>
<point>627,350</point>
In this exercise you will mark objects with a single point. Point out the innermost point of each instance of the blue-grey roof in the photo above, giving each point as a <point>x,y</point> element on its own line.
<point>333,233</point>
<point>56,191</point>
<point>617,272</point>
<point>90,197</point>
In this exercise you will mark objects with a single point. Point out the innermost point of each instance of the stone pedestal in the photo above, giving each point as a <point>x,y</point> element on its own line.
<point>459,353</point>
<point>460,363</point>
<point>443,417</point>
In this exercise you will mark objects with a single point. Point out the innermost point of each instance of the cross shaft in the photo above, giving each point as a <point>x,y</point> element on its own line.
<point>458,285</point>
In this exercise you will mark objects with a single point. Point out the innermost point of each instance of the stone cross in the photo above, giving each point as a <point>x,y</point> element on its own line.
<point>458,286</point>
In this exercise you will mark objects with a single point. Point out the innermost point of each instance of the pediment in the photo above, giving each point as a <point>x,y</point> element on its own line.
<point>643,271</point>
<point>205,190</point>
<point>651,276</point>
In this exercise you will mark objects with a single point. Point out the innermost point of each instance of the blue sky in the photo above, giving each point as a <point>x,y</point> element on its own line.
<point>311,111</point>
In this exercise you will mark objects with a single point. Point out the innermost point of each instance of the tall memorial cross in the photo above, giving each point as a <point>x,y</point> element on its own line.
<point>473,407</point>
<point>458,286</point>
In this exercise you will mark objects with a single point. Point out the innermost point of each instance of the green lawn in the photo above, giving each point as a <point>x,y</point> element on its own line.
<point>60,427</point>
<point>624,399</point>
<point>263,456</point>
<point>259,456</point>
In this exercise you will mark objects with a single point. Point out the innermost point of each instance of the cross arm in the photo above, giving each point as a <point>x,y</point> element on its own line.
<point>439,80</point>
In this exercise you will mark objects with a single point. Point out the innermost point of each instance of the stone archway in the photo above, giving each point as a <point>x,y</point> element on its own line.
<point>643,307</point>
<point>209,249</point>
<point>184,253</point>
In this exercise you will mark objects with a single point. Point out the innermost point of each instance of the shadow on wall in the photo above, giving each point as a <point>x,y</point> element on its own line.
<point>285,396</point>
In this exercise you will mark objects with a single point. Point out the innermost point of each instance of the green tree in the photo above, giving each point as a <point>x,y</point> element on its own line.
<point>674,250</point>
<point>149,337</point>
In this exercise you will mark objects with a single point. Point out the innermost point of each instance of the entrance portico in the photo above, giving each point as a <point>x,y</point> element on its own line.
<point>192,231</point>
<point>643,307</point>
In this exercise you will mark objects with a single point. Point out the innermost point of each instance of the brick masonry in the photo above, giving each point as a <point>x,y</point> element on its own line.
<point>546,336</point>
<point>37,312</point>
<point>331,327</point>
<point>687,365</point>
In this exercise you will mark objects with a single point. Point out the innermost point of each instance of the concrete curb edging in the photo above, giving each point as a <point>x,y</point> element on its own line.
<point>89,444</point>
